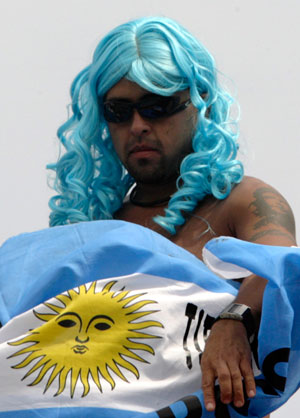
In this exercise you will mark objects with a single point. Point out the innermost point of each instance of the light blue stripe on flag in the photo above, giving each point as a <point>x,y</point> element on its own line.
<point>172,290</point>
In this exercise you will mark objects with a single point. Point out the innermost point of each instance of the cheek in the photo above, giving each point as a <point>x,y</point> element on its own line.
<point>167,129</point>
<point>182,125</point>
<point>191,121</point>
<point>180,134</point>
<point>113,132</point>
<point>189,129</point>
<point>55,334</point>
<point>116,137</point>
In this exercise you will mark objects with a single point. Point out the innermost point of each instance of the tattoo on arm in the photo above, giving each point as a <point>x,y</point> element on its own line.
<point>261,234</point>
<point>270,208</point>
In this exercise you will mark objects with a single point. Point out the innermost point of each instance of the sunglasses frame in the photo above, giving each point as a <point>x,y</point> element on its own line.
<point>170,105</point>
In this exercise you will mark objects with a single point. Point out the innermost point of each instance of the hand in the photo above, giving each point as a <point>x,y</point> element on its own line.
<point>227,357</point>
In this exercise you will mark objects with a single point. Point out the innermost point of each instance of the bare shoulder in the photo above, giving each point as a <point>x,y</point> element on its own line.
<point>250,184</point>
<point>255,194</point>
<point>259,213</point>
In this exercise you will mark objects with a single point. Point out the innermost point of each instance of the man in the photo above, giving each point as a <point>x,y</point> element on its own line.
<point>149,112</point>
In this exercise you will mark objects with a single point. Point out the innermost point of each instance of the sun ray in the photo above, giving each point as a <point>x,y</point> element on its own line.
<point>134,346</point>
<point>56,370</point>
<point>136,306</point>
<point>42,373</point>
<point>121,296</point>
<point>92,288</point>
<point>129,299</point>
<point>146,324</point>
<point>55,308</point>
<point>27,339</point>
<point>44,317</point>
<point>84,377</point>
<point>138,315</point>
<point>74,377</point>
<point>43,360</point>
<point>64,299</point>
<point>135,356</point>
<point>137,334</point>
<point>26,350</point>
<point>95,376</point>
<point>105,374</point>
<point>89,337</point>
<point>114,367</point>
<point>107,287</point>
<point>129,366</point>
<point>62,381</point>
<point>26,361</point>
<point>73,294</point>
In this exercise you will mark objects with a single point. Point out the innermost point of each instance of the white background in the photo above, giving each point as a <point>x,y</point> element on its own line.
<point>45,43</point>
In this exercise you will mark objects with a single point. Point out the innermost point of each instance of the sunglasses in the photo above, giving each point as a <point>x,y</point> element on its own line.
<point>151,106</point>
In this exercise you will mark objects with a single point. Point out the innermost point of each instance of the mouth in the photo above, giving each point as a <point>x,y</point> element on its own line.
<point>79,349</point>
<point>143,151</point>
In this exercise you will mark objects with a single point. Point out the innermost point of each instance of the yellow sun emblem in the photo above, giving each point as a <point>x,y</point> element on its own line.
<point>88,336</point>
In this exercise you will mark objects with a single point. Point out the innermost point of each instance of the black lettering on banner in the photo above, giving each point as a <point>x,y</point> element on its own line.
<point>195,410</point>
<point>278,356</point>
<point>266,387</point>
<point>244,409</point>
<point>254,349</point>
<point>222,411</point>
<point>165,413</point>
<point>190,312</point>
<point>193,405</point>
<point>208,323</point>
<point>197,330</point>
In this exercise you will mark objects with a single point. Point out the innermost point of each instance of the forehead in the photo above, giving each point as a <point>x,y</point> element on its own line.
<point>126,89</point>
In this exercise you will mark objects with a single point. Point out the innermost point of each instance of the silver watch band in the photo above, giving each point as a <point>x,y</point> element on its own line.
<point>239,312</point>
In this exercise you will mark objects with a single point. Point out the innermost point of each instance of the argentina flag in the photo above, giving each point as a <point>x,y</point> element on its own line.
<point>109,319</point>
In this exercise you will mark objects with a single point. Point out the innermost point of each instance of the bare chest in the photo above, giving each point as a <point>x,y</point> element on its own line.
<point>208,221</point>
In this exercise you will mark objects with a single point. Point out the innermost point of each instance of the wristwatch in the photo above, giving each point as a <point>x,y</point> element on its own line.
<point>241,313</point>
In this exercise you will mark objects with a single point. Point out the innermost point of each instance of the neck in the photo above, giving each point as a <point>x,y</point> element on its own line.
<point>152,195</point>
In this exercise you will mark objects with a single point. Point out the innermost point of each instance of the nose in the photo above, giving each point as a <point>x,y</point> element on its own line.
<point>139,126</point>
<point>81,339</point>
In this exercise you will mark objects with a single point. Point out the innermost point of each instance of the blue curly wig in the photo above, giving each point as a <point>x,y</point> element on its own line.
<point>162,57</point>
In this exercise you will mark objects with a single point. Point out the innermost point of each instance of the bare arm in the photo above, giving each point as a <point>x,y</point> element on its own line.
<point>259,214</point>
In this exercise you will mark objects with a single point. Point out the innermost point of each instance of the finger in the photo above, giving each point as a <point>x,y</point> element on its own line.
<point>208,387</point>
<point>248,376</point>
<point>237,387</point>
<point>225,382</point>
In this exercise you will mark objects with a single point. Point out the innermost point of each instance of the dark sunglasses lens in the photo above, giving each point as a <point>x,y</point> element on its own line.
<point>150,107</point>
<point>117,112</point>
<point>157,106</point>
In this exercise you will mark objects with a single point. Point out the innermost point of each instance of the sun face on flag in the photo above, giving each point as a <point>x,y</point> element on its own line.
<point>87,335</point>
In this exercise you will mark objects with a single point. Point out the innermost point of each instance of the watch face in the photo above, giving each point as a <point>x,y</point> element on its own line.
<point>231,315</point>
<point>237,308</point>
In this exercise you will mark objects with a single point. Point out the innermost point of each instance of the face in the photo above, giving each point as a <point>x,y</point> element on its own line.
<point>151,149</point>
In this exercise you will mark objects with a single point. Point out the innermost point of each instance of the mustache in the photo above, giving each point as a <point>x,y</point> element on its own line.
<point>143,145</point>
